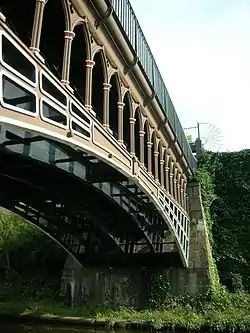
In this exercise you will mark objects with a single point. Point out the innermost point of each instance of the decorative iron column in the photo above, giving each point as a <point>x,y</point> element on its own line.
<point>185,197</point>
<point>141,136</point>
<point>68,36</point>
<point>88,90</point>
<point>171,185</point>
<point>120,106</point>
<point>182,191</point>
<point>179,187</point>
<point>162,181</point>
<point>156,156</point>
<point>175,183</point>
<point>187,204</point>
<point>167,172</point>
<point>37,25</point>
<point>149,146</point>
<point>132,135</point>
<point>106,90</point>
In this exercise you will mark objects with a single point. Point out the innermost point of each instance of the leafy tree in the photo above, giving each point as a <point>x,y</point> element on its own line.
<point>13,229</point>
<point>32,261</point>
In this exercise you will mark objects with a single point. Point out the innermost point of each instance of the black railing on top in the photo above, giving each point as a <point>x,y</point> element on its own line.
<point>131,26</point>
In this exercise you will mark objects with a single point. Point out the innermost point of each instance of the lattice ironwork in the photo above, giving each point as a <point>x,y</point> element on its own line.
<point>125,195</point>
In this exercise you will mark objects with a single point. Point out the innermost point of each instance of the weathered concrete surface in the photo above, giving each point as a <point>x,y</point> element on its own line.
<point>128,286</point>
<point>103,286</point>
<point>198,277</point>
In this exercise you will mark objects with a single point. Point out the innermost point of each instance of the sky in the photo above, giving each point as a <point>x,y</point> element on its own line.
<point>202,48</point>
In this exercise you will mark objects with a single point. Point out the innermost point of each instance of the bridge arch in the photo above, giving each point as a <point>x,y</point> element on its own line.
<point>137,132</point>
<point>68,10</point>
<point>147,146</point>
<point>62,184</point>
<point>171,176</point>
<point>61,228</point>
<point>84,29</point>
<point>99,77</point>
<point>137,112</point>
<point>80,53</point>
<point>114,99</point>
<point>77,21</point>
<point>154,155</point>
<point>40,226</point>
<point>166,169</point>
<point>29,194</point>
<point>161,163</point>
<point>52,36</point>
<point>127,111</point>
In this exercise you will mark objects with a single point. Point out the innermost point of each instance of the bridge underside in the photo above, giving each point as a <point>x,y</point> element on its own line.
<point>93,211</point>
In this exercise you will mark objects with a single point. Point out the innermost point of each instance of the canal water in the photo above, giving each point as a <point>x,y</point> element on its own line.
<point>25,328</point>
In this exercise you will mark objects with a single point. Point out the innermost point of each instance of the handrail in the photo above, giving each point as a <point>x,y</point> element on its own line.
<point>125,14</point>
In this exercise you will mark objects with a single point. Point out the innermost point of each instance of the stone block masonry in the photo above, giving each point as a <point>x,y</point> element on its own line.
<point>129,286</point>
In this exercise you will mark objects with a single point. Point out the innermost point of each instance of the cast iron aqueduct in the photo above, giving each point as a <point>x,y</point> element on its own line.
<point>111,160</point>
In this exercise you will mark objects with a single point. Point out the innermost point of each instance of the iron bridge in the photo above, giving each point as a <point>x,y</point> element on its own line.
<point>69,175</point>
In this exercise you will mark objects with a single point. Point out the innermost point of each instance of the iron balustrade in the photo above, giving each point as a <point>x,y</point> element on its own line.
<point>126,16</point>
<point>18,80</point>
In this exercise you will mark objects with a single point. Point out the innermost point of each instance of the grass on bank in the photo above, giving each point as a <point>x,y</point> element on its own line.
<point>229,312</point>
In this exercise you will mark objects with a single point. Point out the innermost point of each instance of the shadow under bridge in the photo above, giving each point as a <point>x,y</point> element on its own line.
<point>97,214</point>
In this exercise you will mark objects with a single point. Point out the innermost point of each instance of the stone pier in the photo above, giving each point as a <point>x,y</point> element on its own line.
<point>128,286</point>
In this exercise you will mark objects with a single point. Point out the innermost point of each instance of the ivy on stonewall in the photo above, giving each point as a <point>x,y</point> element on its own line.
<point>158,289</point>
<point>225,186</point>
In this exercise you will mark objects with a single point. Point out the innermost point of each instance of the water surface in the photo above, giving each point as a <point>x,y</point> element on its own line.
<point>31,328</point>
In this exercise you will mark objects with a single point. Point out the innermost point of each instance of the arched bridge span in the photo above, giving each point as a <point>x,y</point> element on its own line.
<point>62,164</point>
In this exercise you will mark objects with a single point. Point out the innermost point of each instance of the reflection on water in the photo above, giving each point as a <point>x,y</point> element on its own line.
<point>45,329</point>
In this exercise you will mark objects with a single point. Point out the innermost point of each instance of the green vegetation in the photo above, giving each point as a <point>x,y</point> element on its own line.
<point>158,287</point>
<point>228,313</point>
<point>32,263</point>
<point>225,184</point>
<point>26,262</point>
